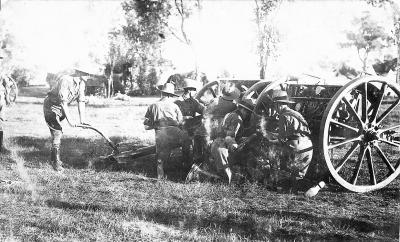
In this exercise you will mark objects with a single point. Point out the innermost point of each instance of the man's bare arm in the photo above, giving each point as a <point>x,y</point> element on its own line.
<point>68,114</point>
<point>82,112</point>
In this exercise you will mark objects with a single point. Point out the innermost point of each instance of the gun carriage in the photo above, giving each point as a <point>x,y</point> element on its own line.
<point>355,126</point>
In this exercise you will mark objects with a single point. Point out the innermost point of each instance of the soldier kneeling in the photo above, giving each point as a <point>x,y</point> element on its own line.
<point>292,143</point>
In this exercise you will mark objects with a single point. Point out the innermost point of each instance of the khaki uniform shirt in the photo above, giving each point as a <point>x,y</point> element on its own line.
<point>233,125</point>
<point>5,87</point>
<point>190,107</point>
<point>292,125</point>
<point>297,150</point>
<point>67,90</point>
<point>3,90</point>
<point>163,113</point>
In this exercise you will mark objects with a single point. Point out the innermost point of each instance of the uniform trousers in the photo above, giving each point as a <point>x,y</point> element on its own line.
<point>167,139</point>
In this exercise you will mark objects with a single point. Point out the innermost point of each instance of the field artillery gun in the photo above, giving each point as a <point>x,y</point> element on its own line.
<point>355,126</point>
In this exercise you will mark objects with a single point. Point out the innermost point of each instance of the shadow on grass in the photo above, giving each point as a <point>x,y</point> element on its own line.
<point>243,224</point>
<point>362,226</point>
<point>81,153</point>
<point>246,226</point>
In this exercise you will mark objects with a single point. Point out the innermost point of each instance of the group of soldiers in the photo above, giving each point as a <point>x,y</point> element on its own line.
<point>229,139</point>
<point>221,140</point>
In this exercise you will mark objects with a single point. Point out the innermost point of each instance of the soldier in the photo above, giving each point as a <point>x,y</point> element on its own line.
<point>5,86</point>
<point>235,126</point>
<point>165,118</point>
<point>293,139</point>
<point>55,108</point>
<point>218,108</point>
<point>216,111</point>
<point>4,100</point>
<point>188,105</point>
<point>213,116</point>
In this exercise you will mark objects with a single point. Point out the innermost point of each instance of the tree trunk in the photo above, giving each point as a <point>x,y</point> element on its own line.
<point>262,73</point>
<point>398,60</point>
<point>195,58</point>
<point>397,34</point>
<point>110,79</point>
<point>110,83</point>
<point>396,22</point>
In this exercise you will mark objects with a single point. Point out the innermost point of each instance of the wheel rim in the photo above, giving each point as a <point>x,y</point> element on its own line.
<point>264,100</point>
<point>213,87</point>
<point>254,91</point>
<point>359,134</point>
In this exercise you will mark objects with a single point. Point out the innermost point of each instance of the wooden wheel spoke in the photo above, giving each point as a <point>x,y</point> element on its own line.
<point>353,111</point>
<point>364,113</point>
<point>387,111</point>
<point>347,156</point>
<point>358,166</point>
<point>378,104</point>
<point>345,125</point>
<point>372,177</point>
<point>384,158</point>
<point>213,92</point>
<point>390,128</point>
<point>396,144</point>
<point>344,142</point>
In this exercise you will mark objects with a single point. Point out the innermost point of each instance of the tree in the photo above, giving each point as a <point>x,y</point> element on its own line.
<point>144,31</point>
<point>155,20</point>
<point>9,50</point>
<point>394,6</point>
<point>118,54</point>
<point>183,10</point>
<point>368,36</point>
<point>268,34</point>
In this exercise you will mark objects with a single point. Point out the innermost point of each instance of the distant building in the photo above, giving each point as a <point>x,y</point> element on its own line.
<point>96,86</point>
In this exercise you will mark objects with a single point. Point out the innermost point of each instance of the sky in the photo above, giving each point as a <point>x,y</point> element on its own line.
<point>54,34</point>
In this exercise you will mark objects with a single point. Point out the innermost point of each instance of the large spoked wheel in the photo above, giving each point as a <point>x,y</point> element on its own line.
<point>208,92</point>
<point>360,134</point>
<point>254,91</point>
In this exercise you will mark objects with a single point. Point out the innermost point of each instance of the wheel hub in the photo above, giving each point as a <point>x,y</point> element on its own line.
<point>370,135</point>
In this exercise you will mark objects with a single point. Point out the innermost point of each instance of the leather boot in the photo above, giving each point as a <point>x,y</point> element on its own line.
<point>160,169</point>
<point>55,159</point>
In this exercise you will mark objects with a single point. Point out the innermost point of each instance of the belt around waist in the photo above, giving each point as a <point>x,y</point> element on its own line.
<point>168,126</point>
<point>296,137</point>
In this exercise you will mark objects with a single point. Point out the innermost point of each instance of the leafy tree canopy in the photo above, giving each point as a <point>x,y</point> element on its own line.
<point>369,35</point>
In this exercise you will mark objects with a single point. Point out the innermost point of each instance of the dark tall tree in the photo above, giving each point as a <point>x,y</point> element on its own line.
<point>149,25</point>
<point>145,30</point>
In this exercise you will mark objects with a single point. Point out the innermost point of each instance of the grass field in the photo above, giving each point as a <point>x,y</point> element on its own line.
<point>82,204</point>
